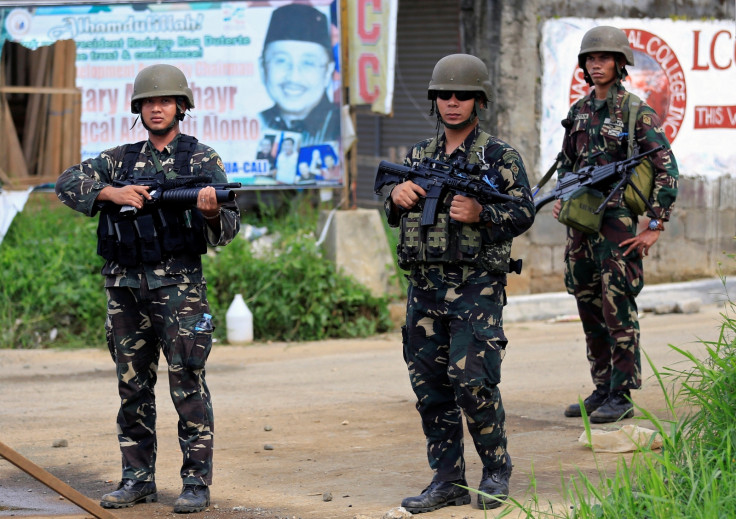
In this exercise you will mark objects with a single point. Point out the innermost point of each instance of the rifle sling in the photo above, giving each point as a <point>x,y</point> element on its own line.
<point>631,100</point>
<point>549,173</point>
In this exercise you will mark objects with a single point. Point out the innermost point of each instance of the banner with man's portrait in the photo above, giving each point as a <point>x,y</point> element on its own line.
<point>265,77</point>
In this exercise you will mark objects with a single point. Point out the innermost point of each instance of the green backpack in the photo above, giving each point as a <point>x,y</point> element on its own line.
<point>643,175</point>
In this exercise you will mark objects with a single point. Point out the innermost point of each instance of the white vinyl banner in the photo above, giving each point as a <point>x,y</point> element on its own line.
<point>264,74</point>
<point>685,70</point>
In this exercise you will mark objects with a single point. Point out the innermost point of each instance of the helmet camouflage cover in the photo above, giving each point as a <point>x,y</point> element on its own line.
<point>160,80</point>
<point>460,72</point>
<point>605,38</point>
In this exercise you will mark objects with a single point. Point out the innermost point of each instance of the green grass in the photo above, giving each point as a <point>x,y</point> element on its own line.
<point>693,476</point>
<point>49,278</point>
<point>51,287</point>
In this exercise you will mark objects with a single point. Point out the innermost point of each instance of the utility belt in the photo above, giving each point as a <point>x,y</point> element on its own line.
<point>149,236</point>
<point>449,242</point>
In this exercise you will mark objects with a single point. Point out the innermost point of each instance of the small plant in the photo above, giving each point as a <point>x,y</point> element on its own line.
<point>392,234</point>
<point>694,474</point>
<point>294,292</point>
<point>50,283</point>
<point>52,293</point>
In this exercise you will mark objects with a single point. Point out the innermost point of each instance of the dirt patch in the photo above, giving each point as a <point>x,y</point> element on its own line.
<point>298,423</point>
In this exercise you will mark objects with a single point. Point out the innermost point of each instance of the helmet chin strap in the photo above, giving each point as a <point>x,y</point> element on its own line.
<point>459,126</point>
<point>621,74</point>
<point>163,131</point>
<point>179,117</point>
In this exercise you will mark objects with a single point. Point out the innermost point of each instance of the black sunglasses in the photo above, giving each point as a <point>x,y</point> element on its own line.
<point>461,95</point>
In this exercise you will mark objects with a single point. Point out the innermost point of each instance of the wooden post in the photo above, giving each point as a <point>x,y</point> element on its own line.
<point>51,131</point>
<point>350,164</point>
<point>54,483</point>
<point>11,155</point>
<point>51,152</point>
<point>35,116</point>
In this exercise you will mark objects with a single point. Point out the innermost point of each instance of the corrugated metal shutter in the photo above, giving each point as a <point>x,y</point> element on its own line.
<point>426,31</point>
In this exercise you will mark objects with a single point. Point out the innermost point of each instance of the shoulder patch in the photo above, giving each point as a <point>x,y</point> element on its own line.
<point>647,119</point>
<point>510,156</point>
<point>220,164</point>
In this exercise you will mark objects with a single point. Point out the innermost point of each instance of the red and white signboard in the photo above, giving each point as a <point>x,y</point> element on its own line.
<point>372,36</point>
<point>685,70</point>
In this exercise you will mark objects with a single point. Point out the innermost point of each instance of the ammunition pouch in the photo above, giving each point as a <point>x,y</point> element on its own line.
<point>449,242</point>
<point>149,236</point>
<point>577,210</point>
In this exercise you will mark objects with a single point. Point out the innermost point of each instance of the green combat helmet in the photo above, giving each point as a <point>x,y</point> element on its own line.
<point>605,38</point>
<point>160,80</point>
<point>460,72</point>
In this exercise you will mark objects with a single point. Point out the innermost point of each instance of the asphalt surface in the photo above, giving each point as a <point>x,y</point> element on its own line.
<point>337,416</point>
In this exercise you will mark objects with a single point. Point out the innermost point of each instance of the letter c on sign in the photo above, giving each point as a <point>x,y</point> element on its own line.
<point>365,35</point>
<point>365,62</point>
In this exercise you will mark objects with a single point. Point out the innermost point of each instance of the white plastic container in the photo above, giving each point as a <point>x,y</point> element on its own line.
<point>239,322</point>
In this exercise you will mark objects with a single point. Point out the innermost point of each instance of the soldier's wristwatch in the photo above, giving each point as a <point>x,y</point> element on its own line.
<point>656,224</point>
<point>485,215</point>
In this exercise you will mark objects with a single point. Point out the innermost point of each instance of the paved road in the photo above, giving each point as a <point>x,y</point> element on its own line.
<point>340,415</point>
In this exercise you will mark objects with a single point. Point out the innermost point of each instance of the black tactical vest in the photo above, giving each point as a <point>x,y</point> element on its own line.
<point>447,242</point>
<point>154,232</point>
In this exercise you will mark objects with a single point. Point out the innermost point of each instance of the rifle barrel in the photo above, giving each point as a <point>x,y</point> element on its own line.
<point>188,195</point>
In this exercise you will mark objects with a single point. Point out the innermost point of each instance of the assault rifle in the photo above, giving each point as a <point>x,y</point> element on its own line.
<point>598,176</point>
<point>436,178</point>
<point>182,191</point>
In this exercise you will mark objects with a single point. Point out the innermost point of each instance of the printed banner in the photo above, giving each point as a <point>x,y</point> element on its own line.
<point>372,37</point>
<point>265,77</point>
<point>683,69</point>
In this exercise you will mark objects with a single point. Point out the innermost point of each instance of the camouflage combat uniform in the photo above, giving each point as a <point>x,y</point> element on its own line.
<point>152,306</point>
<point>453,337</point>
<point>604,282</point>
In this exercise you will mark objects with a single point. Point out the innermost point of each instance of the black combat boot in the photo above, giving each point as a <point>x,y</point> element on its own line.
<point>193,498</point>
<point>129,493</point>
<point>593,402</point>
<point>437,495</point>
<point>495,483</point>
<point>617,407</point>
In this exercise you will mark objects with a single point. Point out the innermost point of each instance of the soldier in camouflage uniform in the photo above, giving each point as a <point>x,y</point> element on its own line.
<point>453,337</point>
<point>157,301</point>
<point>603,270</point>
